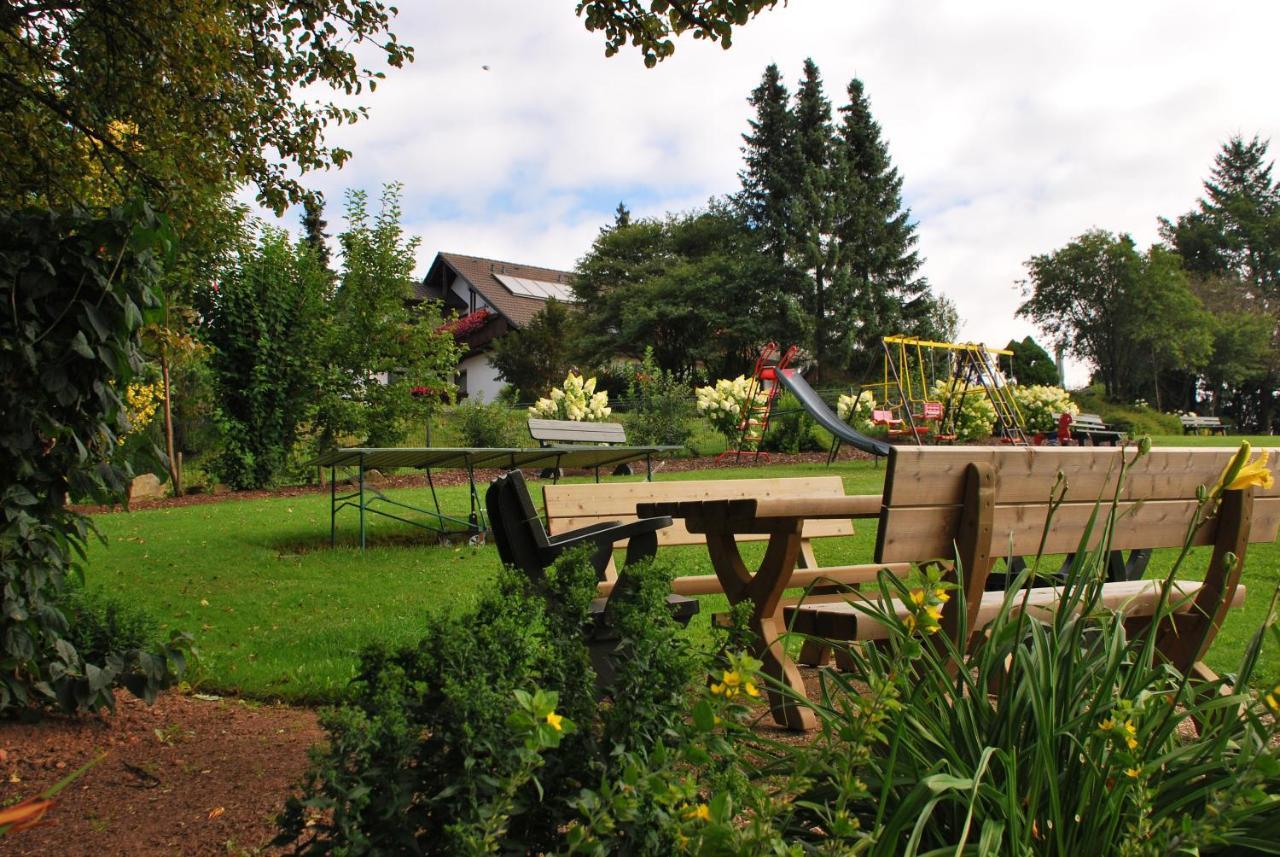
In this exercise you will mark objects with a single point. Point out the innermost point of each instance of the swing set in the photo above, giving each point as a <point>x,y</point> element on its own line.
<point>909,406</point>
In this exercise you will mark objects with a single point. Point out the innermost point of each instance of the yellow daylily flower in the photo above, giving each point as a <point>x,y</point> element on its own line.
<point>934,612</point>
<point>942,595</point>
<point>731,678</point>
<point>1133,772</point>
<point>701,812</point>
<point>917,597</point>
<point>554,720</point>
<point>1131,742</point>
<point>1130,728</point>
<point>751,689</point>
<point>1107,725</point>
<point>910,622</point>
<point>1253,473</point>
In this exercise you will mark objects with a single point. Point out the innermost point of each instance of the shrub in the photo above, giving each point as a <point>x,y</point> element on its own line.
<point>976,416</point>
<point>661,406</point>
<point>578,400</point>
<point>723,403</point>
<point>486,425</point>
<point>1040,405</point>
<point>856,410</point>
<point>791,429</point>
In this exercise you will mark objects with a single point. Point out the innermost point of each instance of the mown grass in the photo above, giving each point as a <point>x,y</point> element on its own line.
<point>277,614</point>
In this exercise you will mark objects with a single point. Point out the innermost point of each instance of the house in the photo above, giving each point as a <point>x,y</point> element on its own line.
<point>492,298</point>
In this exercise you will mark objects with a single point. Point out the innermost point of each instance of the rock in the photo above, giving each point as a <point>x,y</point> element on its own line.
<point>374,477</point>
<point>146,487</point>
<point>220,488</point>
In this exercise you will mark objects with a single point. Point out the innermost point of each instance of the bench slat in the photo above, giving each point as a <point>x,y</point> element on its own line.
<point>844,621</point>
<point>569,431</point>
<point>935,476</point>
<point>920,533</point>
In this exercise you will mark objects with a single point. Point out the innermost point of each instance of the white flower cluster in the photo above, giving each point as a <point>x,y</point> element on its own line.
<point>856,410</point>
<point>1040,404</point>
<point>577,401</point>
<point>977,415</point>
<point>722,403</point>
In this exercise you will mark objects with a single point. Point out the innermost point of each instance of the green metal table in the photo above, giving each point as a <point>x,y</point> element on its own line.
<point>363,498</point>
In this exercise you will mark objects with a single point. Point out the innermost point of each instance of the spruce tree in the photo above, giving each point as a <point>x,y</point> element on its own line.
<point>768,180</point>
<point>876,236</point>
<point>815,210</point>
<point>621,216</point>
<point>313,226</point>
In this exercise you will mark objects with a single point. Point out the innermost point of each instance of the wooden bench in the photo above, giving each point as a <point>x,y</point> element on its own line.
<point>1089,429</point>
<point>1195,424</point>
<point>979,504</point>
<point>567,433</point>
<point>571,507</point>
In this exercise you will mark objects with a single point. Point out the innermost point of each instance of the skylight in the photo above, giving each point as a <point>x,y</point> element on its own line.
<point>541,289</point>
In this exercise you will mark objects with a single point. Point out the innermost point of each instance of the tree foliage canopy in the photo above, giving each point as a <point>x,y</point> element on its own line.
<point>652,27</point>
<point>179,95</point>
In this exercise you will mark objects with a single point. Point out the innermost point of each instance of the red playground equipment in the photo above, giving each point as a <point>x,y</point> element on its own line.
<point>772,373</point>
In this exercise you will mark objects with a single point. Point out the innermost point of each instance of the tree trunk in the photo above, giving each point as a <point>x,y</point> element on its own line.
<point>175,467</point>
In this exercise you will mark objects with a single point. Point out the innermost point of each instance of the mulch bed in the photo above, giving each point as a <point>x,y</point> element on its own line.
<point>191,775</point>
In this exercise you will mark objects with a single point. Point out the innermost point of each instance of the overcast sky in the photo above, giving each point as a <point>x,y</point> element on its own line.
<point>1015,125</point>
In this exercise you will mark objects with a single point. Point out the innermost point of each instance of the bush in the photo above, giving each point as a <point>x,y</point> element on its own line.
<point>977,416</point>
<point>1039,405</point>
<point>487,425</point>
<point>856,410</point>
<point>791,429</point>
<point>1134,419</point>
<point>661,406</point>
<point>578,400</point>
<point>723,403</point>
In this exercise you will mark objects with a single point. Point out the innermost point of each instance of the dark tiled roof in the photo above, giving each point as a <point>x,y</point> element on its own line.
<point>480,274</point>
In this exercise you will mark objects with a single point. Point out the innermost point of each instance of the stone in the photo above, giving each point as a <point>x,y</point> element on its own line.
<point>146,487</point>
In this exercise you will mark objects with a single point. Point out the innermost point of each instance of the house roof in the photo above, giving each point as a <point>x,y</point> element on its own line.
<point>479,273</point>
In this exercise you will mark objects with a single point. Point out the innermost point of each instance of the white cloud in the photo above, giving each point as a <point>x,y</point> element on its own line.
<point>1016,126</point>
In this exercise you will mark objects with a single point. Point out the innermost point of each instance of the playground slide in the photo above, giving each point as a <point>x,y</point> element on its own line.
<point>818,409</point>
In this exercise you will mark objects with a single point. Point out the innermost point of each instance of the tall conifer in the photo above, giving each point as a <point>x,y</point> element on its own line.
<point>767,180</point>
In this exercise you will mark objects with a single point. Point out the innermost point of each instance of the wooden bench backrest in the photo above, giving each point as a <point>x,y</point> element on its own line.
<point>925,489</point>
<point>569,431</point>
<point>572,506</point>
<point>1200,421</point>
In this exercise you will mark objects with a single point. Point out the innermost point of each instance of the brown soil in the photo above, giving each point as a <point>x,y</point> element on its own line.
<point>192,776</point>
<point>185,776</point>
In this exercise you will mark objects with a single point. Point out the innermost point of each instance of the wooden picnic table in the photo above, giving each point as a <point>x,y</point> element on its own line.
<point>782,519</point>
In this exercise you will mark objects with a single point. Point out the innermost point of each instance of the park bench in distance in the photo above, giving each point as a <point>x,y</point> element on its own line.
<point>980,504</point>
<point>574,506</point>
<point>549,433</point>
<point>1090,430</point>
<point>1195,424</point>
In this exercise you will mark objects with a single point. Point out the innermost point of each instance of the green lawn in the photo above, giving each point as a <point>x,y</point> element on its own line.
<point>278,614</point>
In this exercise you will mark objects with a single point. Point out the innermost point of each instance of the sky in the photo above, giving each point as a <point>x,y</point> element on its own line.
<point>1016,126</point>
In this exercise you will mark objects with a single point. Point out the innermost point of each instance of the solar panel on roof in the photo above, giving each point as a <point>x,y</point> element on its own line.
<point>541,289</point>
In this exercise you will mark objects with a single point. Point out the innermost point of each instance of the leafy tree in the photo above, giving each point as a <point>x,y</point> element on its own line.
<point>75,288</point>
<point>379,347</point>
<point>537,357</point>
<point>694,287</point>
<point>1131,315</point>
<point>266,322</point>
<point>768,179</point>
<point>1030,364</point>
<point>180,97</point>
<point>651,27</point>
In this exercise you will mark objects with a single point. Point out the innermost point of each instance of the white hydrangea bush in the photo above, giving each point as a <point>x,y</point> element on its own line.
<point>1039,405</point>
<point>723,402</point>
<point>977,417</point>
<point>856,410</point>
<point>577,400</point>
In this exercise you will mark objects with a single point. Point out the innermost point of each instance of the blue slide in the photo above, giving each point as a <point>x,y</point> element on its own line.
<point>812,402</point>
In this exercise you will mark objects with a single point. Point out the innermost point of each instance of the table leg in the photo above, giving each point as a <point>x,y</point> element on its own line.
<point>765,589</point>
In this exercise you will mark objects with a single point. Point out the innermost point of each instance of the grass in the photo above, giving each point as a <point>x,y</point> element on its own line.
<point>277,614</point>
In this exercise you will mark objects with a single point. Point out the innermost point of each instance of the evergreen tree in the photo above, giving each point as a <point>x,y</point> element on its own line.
<point>1231,246</point>
<point>1030,363</point>
<point>621,216</point>
<point>877,238</point>
<point>313,226</point>
<point>768,180</point>
<point>815,210</point>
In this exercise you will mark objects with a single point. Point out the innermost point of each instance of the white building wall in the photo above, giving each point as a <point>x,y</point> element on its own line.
<point>481,378</point>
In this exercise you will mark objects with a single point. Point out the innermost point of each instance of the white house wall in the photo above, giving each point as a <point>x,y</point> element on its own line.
<point>481,378</point>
